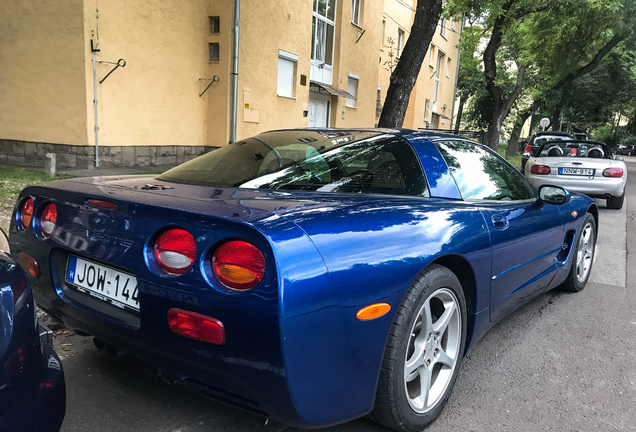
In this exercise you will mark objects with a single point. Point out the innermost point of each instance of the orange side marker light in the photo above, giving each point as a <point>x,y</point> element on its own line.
<point>574,214</point>
<point>373,311</point>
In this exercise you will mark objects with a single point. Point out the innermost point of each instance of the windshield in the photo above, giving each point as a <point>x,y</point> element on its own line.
<point>325,161</point>
<point>544,138</point>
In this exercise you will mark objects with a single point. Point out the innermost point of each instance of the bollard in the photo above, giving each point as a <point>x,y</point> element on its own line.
<point>49,164</point>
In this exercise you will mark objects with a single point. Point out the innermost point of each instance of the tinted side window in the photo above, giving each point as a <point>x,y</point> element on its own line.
<point>482,174</point>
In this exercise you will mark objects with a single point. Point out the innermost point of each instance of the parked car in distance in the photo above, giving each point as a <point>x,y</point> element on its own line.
<point>32,390</point>
<point>582,166</point>
<point>311,276</point>
<point>621,150</point>
<point>535,140</point>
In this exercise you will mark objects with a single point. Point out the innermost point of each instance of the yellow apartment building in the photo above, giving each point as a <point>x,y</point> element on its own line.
<point>121,83</point>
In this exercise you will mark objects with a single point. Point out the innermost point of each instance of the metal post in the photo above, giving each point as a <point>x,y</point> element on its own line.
<point>95,109</point>
<point>237,12</point>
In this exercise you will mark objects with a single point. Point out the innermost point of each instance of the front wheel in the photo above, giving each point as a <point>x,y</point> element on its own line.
<point>582,257</point>
<point>423,353</point>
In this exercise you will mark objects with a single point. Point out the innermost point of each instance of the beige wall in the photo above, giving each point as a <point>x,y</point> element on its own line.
<point>266,28</point>
<point>357,53</point>
<point>41,71</point>
<point>154,99</point>
<point>399,15</point>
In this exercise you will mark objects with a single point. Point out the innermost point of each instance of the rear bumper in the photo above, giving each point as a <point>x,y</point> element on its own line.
<point>598,187</point>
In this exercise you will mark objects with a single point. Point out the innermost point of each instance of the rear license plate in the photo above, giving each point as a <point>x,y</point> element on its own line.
<point>105,283</point>
<point>589,172</point>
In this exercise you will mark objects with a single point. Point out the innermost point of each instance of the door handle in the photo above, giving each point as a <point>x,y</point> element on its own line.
<point>500,222</point>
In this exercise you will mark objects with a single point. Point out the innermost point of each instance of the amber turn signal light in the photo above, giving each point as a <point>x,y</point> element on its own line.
<point>373,311</point>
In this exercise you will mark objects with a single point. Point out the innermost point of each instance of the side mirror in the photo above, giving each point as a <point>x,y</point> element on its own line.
<point>620,158</point>
<point>554,195</point>
<point>4,242</point>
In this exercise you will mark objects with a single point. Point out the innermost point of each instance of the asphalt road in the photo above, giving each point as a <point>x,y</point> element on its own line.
<point>564,362</point>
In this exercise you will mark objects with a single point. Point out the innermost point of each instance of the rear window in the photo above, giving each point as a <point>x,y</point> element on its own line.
<point>328,161</point>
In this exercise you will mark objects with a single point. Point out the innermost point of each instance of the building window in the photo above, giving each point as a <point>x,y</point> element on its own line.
<point>323,25</point>
<point>215,24</point>
<point>442,27</point>
<point>437,70</point>
<point>356,6</point>
<point>448,67</point>
<point>352,88</point>
<point>383,30</point>
<point>400,42</point>
<point>378,103</point>
<point>214,52</point>
<point>427,107</point>
<point>286,73</point>
<point>430,56</point>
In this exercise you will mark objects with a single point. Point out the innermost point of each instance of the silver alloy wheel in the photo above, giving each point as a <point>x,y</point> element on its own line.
<point>432,350</point>
<point>585,252</point>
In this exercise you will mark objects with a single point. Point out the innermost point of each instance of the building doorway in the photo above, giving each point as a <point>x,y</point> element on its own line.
<point>318,115</point>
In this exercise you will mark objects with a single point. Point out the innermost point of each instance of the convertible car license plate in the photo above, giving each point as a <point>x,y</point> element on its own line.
<point>577,171</point>
<point>104,283</point>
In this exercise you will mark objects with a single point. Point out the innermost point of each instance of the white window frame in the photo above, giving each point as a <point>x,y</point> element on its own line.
<point>448,67</point>
<point>322,70</point>
<point>430,55</point>
<point>355,79</point>
<point>383,33</point>
<point>442,28</point>
<point>440,56</point>
<point>400,43</point>
<point>356,6</point>
<point>288,80</point>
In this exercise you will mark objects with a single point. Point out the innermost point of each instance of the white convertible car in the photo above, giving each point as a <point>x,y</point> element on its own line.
<point>588,167</point>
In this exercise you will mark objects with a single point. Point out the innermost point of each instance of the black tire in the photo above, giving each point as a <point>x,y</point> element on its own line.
<point>397,404</point>
<point>616,203</point>
<point>582,256</point>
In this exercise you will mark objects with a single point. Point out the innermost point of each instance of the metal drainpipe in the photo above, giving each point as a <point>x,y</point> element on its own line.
<point>95,109</point>
<point>237,12</point>
<point>459,56</point>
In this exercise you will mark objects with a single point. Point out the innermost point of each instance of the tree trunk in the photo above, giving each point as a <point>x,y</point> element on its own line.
<point>513,143</point>
<point>458,119</point>
<point>403,78</point>
<point>555,117</point>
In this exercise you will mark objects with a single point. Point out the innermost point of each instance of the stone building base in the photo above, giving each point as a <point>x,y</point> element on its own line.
<point>32,154</point>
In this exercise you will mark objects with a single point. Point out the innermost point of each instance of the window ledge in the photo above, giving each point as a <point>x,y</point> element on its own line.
<point>356,26</point>
<point>286,97</point>
<point>352,107</point>
<point>213,62</point>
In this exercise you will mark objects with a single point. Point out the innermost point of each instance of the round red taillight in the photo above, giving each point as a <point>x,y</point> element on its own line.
<point>26,213</point>
<point>613,172</point>
<point>48,219</point>
<point>239,265</point>
<point>175,251</point>
<point>540,169</point>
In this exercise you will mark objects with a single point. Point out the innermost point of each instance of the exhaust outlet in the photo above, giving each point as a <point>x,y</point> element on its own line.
<point>111,350</point>
<point>151,370</point>
<point>99,344</point>
<point>167,379</point>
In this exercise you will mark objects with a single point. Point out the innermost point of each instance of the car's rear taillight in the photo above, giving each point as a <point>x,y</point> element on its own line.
<point>196,326</point>
<point>540,169</point>
<point>48,219</point>
<point>613,172</point>
<point>528,149</point>
<point>25,214</point>
<point>175,251</point>
<point>238,264</point>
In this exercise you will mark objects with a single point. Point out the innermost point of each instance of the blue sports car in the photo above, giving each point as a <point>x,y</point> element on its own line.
<point>32,390</point>
<point>311,276</point>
